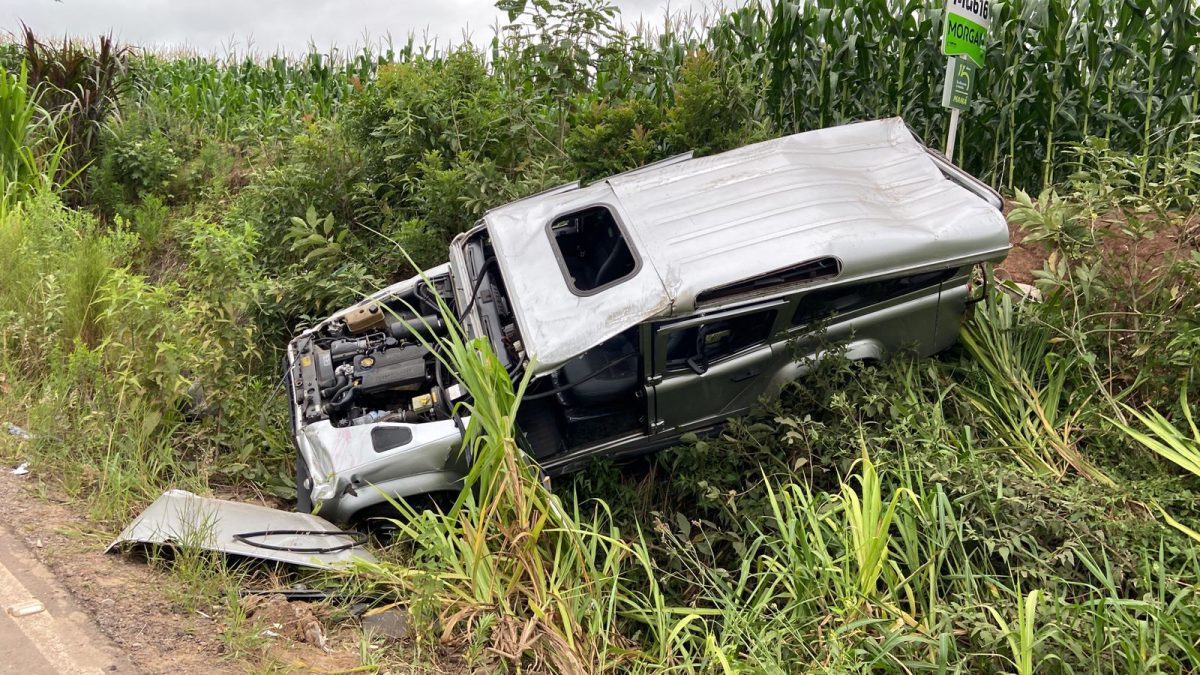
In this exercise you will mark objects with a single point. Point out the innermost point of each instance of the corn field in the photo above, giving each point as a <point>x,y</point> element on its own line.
<point>1057,72</point>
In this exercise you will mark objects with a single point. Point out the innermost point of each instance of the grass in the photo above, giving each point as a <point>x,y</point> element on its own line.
<point>1164,438</point>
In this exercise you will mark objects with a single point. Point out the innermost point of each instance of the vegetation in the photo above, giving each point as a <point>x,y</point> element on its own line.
<point>1028,502</point>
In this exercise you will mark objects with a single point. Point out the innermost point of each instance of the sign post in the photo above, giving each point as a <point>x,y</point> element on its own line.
<point>964,36</point>
<point>956,94</point>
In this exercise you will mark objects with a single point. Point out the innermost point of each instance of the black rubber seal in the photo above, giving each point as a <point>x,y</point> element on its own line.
<point>357,539</point>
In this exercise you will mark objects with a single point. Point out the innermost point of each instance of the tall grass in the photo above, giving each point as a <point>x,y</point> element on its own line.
<point>30,161</point>
<point>1025,398</point>
<point>17,111</point>
<point>78,85</point>
<point>1164,438</point>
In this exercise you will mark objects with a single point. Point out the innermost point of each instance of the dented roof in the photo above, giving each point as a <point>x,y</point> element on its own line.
<point>869,194</point>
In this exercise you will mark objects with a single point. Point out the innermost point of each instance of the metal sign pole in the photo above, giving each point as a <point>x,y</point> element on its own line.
<point>953,133</point>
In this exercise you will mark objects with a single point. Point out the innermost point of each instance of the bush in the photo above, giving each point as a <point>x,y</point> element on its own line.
<point>607,139</point>
<point>711,111</point>
<point>319,168</point>
<point>136,163</point>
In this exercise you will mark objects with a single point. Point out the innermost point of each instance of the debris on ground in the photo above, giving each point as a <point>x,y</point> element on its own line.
<point>17,431</point>
<point>26,608</point>
<point>391,622</point>
<point>21,470</point>
<point>297,621</point>
<point>180,518</point>
<point>356,603</point>
<point>1021,291</point>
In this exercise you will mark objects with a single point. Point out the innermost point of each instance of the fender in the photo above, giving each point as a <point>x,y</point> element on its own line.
<point>857,350</point>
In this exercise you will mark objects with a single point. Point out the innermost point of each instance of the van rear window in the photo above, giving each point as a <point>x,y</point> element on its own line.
<point>592,249</point>
<point>825,303</point>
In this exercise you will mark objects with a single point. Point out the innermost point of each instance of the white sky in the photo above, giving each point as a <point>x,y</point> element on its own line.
<point>214,25</point>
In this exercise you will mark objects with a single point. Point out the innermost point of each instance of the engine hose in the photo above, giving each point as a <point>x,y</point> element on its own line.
<point>339,382</point>
<point>443,403</point>
<point>342,396</point>
<point>478,282</point>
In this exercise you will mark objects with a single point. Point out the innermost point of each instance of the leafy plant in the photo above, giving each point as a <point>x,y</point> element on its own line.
<point>316,238</point>
<point>1163,437</point>
<point>79,86</point>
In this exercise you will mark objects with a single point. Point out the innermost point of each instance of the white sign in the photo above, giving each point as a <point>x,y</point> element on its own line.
<point>966,28</point>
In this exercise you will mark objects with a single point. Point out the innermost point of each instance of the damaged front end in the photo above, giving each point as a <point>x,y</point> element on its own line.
<point>372,406</point>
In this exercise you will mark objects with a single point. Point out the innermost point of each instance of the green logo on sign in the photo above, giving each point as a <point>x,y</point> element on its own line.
<point>964,36</point>
<point>959,84</point>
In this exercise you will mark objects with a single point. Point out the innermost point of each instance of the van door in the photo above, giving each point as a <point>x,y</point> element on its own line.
<point>709,368</point>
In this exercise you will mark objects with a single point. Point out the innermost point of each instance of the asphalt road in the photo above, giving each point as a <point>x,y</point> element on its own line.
<point>60,639</point>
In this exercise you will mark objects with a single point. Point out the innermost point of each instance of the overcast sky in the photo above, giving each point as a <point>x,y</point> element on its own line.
<point>213,25</point>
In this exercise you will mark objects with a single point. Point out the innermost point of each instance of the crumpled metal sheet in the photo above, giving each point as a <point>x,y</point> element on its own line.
<point>182,519</point>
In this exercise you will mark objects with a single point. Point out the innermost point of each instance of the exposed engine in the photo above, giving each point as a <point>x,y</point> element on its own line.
<point>372,363</point>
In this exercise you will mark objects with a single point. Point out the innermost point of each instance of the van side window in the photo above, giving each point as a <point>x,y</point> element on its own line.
<point>821,269</point>
<point>714,341</point>
<point>823,304</point>
<point>592,249</point>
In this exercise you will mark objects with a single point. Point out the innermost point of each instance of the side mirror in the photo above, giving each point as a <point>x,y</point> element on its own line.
<point>698,365</point>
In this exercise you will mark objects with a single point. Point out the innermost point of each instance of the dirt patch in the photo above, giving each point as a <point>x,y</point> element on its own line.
<point>121,595</point>
<point>1145,258</point>
<point>1022,260</point>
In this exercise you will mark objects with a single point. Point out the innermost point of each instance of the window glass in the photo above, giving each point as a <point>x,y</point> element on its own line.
<point>592,248</point>
<point>718,339</point>
<point>806,272</point>
<point>826,303</point>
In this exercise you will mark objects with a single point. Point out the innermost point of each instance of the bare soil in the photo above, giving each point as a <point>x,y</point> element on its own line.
<point>1145,259</point>
<point>1022,260</point>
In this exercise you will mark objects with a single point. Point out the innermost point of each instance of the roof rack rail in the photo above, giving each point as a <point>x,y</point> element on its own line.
<point>673,159</point>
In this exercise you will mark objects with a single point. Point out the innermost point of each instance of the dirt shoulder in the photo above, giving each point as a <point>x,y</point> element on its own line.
<point>124,597</point>
<point>130,602</point>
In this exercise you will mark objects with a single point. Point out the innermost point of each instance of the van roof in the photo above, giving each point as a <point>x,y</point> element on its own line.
<point>869,195</point>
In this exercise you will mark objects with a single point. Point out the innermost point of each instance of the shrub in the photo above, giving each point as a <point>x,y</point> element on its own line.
<point>711,111</point>
<point>319,167</point>
<point>136,163</point>
<point>607,139</point>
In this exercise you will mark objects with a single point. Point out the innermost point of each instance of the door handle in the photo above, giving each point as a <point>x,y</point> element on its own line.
<point>745,375</point>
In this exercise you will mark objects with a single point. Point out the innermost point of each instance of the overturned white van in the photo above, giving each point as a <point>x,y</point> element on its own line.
<point>647,305</point>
